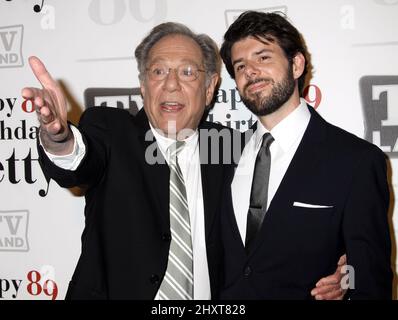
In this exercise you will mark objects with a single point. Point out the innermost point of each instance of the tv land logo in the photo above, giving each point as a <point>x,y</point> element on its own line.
<point>379,96</point>
<point>14,230</point>
<point>11,38</point>
<point>122,98</point>
<point>233,14</point>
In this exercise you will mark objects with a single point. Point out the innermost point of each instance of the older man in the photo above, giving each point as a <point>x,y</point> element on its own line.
<point>151,232</point>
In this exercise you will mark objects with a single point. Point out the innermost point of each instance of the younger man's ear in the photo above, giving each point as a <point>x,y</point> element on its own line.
<point>298,65</point>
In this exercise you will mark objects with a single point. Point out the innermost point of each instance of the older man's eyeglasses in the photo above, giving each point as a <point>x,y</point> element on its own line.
<point>185,72</point>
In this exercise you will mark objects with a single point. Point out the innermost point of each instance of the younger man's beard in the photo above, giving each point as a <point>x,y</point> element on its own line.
<point>280,93</point>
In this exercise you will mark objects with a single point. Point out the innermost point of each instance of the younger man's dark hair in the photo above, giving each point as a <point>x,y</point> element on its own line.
<point>272,27</point>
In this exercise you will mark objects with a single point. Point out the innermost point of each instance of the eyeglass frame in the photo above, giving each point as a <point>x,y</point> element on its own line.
<point>175,69</point>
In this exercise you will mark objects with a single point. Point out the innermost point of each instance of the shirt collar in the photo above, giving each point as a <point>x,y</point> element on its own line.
<point>164,142</point>
<point>289,129</point>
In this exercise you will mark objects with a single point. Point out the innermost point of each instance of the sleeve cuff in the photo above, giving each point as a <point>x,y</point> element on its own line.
<point>70,161</point>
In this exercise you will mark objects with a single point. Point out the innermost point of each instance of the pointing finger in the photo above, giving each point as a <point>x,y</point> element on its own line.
<point>41,72</point>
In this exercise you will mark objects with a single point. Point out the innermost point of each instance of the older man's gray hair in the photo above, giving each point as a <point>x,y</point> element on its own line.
<point>211,59</point>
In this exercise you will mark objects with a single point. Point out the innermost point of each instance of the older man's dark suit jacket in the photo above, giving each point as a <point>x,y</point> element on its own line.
<point>126,239</point>
<point>296,246</point>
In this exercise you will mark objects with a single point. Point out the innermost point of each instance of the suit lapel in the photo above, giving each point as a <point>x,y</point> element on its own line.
<point>228,208</point>
<point>229,212</point>
<point>156,176</point>
<point>299,169</point>
<point>212,180</point>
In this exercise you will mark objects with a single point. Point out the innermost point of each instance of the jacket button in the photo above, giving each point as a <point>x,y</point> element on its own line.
<point>247,272</point>
<point>154,279</point>
<point>166,237</point>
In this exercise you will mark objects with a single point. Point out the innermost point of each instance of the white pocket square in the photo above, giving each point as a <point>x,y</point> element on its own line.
<point>308,205</point>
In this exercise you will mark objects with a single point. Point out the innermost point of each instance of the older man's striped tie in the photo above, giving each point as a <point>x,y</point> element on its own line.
<point>177,283</point>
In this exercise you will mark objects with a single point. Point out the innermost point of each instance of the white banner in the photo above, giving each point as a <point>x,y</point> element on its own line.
<point>88,46</point>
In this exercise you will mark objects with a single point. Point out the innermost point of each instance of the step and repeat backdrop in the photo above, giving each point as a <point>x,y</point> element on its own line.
<point>88,47</point>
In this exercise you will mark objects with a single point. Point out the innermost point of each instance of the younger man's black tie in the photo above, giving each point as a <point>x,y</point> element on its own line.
<point>259,191</point>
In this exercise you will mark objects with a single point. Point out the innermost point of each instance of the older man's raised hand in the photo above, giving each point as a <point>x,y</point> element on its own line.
<point>51,109</point>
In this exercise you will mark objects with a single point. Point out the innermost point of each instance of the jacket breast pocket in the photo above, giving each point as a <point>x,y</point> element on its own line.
<point>325,210</point>
<point>312,216</point>
<point>310,229</point>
